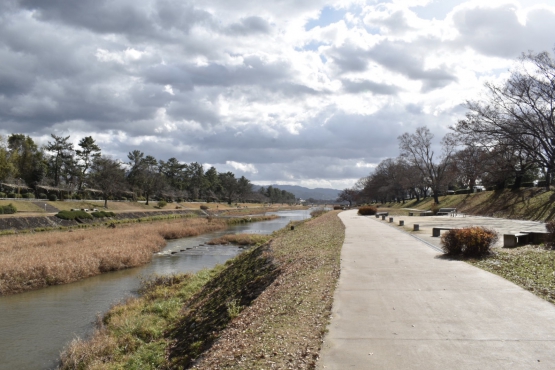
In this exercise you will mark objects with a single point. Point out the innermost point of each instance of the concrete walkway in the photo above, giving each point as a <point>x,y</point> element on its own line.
<point>399,306</point>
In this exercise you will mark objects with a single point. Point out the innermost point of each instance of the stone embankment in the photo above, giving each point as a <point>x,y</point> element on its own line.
<point>49,222</point>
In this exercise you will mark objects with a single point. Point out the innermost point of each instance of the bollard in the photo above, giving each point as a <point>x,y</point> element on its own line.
<point>390,219</point>
<point>383,217</point>
<point>292,227</point>
<point>401,223</point>
<point>416,227</point>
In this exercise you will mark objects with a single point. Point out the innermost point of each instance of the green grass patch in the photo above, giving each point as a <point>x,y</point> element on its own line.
<point>531,267</point>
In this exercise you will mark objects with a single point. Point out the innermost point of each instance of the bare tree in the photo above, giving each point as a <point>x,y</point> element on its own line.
<point>520,112</point>
<point>417,149</point>
<point>108,176</point>
<point>348,195</point>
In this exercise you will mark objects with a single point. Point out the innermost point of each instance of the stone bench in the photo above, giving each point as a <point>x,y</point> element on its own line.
<point>524,237</point>
<point>447,212</point>
<point>513,240</point>
<point>436,231</point>
<point>378,214</point>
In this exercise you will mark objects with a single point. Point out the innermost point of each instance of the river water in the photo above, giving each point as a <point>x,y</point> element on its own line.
<point>35,326</point>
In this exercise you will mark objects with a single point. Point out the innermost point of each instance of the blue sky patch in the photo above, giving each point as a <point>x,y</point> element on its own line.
<point>437,9</point>
<point>328,15</point>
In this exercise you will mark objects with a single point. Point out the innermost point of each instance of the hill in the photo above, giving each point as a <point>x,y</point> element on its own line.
<point>305,193</point>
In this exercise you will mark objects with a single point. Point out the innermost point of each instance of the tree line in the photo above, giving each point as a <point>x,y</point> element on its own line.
<point>81,171</point>
<point>507,139</point>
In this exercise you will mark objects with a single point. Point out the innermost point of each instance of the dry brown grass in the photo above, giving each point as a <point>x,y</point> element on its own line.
<point>32,261</point>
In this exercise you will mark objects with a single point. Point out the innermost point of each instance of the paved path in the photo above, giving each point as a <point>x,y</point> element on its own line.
<point>399,306</point>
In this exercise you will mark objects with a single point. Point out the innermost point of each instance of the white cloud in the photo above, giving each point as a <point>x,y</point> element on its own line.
<point>244,167</point>
<point>244,85</point>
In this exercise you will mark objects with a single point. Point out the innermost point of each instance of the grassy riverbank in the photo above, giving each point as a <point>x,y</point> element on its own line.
<point>33,261</point>
<point>524,204</point>
<point>267,308</point>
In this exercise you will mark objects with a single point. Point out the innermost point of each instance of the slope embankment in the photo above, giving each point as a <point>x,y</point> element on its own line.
<point>535,204</point>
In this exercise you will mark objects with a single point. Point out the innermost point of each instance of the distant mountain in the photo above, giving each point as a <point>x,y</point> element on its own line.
<point>305,193</point>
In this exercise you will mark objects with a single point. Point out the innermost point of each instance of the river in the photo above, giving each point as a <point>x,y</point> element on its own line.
<point>36,325</point>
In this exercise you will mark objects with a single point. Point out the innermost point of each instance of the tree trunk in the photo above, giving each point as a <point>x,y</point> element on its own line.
<point>518,181</point>
<point>548,179</point>
<point>105,202</point>
<point>147,194</point>
<point>436,197</point>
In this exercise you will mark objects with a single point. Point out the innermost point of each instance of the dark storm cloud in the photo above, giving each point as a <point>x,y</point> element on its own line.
<point>249,26</point>
<point>370,86</point>
<point>408,60</point>
<point>348,58</point>
<point>497,31</point>
<point>98,15</point>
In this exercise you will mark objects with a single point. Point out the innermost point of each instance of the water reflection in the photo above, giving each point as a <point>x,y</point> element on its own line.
<point>34,326</point>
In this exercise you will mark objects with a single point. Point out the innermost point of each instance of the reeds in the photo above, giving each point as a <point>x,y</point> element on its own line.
<point>32,261</point>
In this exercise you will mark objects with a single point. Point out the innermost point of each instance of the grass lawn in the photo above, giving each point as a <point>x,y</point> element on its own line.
<point>22,206</point>
<point>531,267</point>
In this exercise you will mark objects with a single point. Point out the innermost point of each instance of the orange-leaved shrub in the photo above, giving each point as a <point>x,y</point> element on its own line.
<point>470,241</point>
<point>550,238</point>
<point>367,210</point>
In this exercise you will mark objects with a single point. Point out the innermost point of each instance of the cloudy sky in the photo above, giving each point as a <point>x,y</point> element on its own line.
<point>307,92</point>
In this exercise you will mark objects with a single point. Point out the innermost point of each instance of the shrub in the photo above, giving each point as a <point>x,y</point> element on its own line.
<point>28,195</point>
<point>367,210</point>
<point>76,197</point>
<point>162,203</point>
<point>9,209</point>
<point>43,196</point>
<point>11,195</point>
<point>141,199</point>
<point>203,207</point>
<point>52,197</point>
<point>72,215</point>
<point>2,195</point>
<point>102,214</point>
<point>470,241</point>
<point>337,207</point>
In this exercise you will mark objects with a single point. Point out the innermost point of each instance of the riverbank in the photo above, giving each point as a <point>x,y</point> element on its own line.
<point>267,308</point>
<point>535,204</point>
<point>33,261</point>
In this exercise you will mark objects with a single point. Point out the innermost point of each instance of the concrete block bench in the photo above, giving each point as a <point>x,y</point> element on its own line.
<point>378,214</point>
<point>513,240</point>
<point>436,231</point>
<point>447,212</point>
<point>524,237</point>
